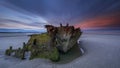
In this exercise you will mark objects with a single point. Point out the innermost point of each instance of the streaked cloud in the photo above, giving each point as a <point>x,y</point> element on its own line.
<point>34,14</point>
<point>15,19</point>
<point>104,21</point>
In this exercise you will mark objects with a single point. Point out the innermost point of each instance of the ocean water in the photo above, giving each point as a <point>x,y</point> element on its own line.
<point>13,39</point>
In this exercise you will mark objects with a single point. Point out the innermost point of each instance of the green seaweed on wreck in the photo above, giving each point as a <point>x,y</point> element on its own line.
<point>41,38</point>
<point>54,55</point>
<point>51,44</point>
<point>41,49</point>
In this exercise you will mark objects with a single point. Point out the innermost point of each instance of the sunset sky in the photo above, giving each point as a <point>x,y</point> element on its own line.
<point>34,14</point>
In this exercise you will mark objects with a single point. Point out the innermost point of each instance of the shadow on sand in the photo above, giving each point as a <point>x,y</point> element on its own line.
<point>71,55</point>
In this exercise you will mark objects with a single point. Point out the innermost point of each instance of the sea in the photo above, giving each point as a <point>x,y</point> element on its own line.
<point>13,39</point>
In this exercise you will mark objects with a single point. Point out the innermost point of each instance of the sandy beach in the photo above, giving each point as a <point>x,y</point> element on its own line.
<point>101,51</point>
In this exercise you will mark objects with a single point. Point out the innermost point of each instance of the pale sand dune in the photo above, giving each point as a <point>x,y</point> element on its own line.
<point>101,51</point>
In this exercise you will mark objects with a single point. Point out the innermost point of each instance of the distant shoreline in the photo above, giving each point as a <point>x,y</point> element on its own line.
<point>16,34</point>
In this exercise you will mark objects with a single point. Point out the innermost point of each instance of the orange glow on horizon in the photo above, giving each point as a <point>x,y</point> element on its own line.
<point>112,20</point>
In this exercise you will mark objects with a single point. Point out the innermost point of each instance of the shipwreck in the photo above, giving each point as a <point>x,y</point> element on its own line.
<point>53,44</point>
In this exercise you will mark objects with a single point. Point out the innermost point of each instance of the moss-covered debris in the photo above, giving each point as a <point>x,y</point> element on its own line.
<point>39,45</point>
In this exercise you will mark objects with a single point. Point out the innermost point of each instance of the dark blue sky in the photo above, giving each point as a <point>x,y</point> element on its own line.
<point>34,14</point>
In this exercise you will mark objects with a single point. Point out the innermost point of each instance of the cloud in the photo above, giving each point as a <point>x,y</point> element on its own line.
<point>111,20</point>
<point>71,11</point>
<point>83,13</point>
<point>11,24</point>
<point>20,19</point>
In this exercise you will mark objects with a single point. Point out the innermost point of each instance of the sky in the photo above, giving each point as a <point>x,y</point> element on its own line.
<point>34,14</point>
